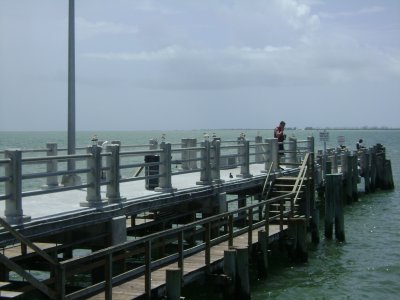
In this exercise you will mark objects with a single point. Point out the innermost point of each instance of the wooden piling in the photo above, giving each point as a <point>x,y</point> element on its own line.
<point>263,253</point>
<point>354,178</point>
<point>230,271</point>
<point>297,233</point>
<point>330,189</point>
<point>174,283</point>
<point>242,273</point>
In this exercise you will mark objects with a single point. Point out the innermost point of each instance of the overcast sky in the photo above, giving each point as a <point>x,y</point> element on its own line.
<point>194,64</point>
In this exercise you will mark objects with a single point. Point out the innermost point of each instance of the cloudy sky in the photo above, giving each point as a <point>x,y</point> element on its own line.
<point>191,64</point>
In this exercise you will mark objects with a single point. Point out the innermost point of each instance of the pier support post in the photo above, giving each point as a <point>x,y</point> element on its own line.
<point>230,271</point>
<point>205,173</point>
<point>52,166</point>
<point>244,154</point>
<point>165,171</point>
<point>93,195</point>
<point>13,187</point>
<point>242,273</point>
<point>113,174</point>
<point>373,170</point>
<point>263,240</point>
<point>297,233</point>
<point>334,207</point>
<point>365,169</point>
<point>173,283</point>
<point>310,144</point>
<point>354,179</point>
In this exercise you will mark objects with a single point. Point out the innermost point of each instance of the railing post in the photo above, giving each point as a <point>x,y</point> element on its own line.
<point>165,171</point>
<point>60,282</point>
<point>267,155</point>
<point>185,154</point>
<point>274,153</point>
<point>13,188</point>
<point>310,144</point>
<point>244,159</point>
<point>153,144</point>
<point>205,173</point>
<point>259,149</point>
<point>93,196</point>
<point>292,155</point>
<point>193,154</point>
<point>215,161</point>
<point>334,162</point>
<point>52,166</point>
<point>113,174</point>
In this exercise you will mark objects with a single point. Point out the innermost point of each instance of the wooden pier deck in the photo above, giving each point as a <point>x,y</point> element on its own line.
<point>194,267</point>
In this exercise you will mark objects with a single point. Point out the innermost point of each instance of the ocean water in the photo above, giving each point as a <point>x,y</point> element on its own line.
<point>365,266</point>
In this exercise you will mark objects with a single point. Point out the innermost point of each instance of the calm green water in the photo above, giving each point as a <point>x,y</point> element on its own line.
<point>366,266</point>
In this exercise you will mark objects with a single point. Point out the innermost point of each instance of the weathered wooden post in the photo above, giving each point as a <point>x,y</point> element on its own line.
<point>230,271</point>
<point>242,272</point>
<point>165,171</point>
<point>113,174</point>
<point>52,167</point>
<point>334,207</point>
<point>297,234</point>
<point>365,168</point>
<point>373,169</point>
<point>263,252</point>
<point>310,144</point>
<point>174,283</point>
<point>334,163</point>
<point>205,173</point>
<point>13,187</point>
<point>93,195</point>
<point>331,191</point>
<point>314,210</point>
<point>388,177</point>
<point>354,179</point>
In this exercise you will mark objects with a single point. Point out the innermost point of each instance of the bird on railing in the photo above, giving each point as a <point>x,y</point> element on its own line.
<point>163,137</point>
<point>206,135</point>
<point>94,140</point>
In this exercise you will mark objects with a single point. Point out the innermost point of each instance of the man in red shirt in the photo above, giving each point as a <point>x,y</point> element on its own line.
<point>278,133</point>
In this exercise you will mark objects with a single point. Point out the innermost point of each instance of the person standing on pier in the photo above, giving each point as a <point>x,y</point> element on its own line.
<point>360,144</point>
<point>279,134</point>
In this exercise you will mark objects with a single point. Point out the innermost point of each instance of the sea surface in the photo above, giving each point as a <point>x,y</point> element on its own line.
<point>365,266</point>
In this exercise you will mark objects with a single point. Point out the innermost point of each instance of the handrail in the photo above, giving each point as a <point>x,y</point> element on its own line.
<point>149,265</point>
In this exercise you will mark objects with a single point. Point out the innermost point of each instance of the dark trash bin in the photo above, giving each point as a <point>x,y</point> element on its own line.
<point>151,183</point>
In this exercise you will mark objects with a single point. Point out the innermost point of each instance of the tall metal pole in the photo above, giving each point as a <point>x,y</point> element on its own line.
<point>71,83</point>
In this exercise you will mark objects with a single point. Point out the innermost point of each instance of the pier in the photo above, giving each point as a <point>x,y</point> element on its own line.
<point>141,221</point>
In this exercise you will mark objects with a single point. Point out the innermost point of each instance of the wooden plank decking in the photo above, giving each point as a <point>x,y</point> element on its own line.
<point>194,266</point>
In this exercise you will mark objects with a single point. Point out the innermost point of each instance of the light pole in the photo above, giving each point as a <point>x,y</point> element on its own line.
<point>71,179</point>
<point>71,82</point>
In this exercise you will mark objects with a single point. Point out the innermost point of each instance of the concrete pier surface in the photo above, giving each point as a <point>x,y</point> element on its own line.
<point>42,206</point>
